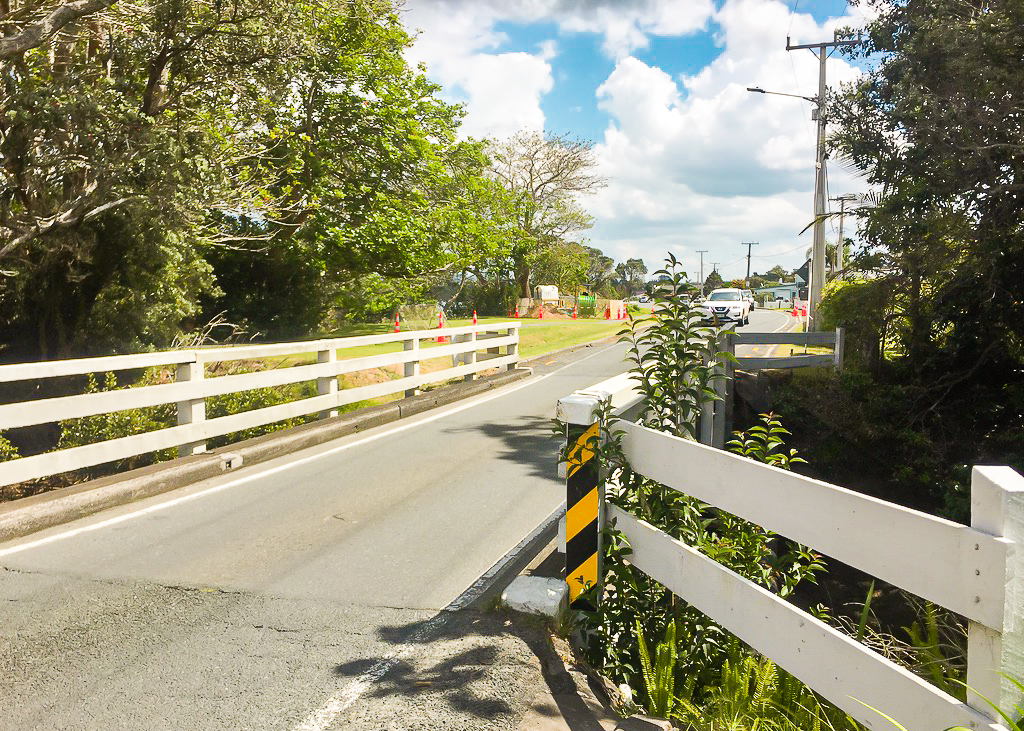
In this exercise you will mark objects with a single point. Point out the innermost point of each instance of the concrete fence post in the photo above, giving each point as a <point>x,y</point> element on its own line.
<point>191,411</point>
<point>584,504</point>
<point>469,358</point>
<point>412,367</point>
<point>327,385</point>
<point>724,387</point>
<point>997,507</point>
<point>513,349</point>
<point>706,425</point>
<point>838,352</point>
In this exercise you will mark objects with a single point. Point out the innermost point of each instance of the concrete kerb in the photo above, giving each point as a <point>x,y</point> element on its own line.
<point>28,515</point>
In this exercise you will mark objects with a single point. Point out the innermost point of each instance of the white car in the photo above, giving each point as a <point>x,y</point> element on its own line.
<point>724,306</point>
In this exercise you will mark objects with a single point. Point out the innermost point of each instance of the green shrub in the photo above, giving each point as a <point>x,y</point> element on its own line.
<point>7,450</point>
<point>673,361</point>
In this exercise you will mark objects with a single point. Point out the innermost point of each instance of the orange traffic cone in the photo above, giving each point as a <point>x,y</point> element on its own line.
<point>540,313</point>
<point>440,326</point>
<point>574,312</point>
<point>517,312</point>
<point>608,312</point>
<point>398,328</point>
<point>474,317</point>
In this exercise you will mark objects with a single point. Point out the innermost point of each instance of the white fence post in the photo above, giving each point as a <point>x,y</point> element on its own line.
<point>997,507</point>
<point>707,409</point>
<point>470,357</point>
<point>513,349</point>
<point>327,385</point>
<point>412,368</point>
<point>192,410</point>
<point>725,388</point>
<point>838,352</point>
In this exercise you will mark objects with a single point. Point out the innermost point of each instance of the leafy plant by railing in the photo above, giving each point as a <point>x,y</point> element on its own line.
<point>7,450</point>
<point>673,361</point>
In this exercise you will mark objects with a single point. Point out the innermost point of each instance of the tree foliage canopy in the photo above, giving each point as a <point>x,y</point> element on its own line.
<point>544,176</point>
<point>168,160</point>
<point>938,127</point>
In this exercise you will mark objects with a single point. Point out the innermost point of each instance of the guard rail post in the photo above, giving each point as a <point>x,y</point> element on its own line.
<point>412,367</point>
<point>469,357</point>
<point>584,504</point>
<point>837,353</point>
<point>995,656</point>
<point>513,349</point>
<point>724,388</point>
<point>191,411</point>
<point>327,385</point>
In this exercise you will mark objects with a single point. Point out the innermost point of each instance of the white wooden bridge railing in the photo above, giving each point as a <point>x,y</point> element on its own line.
<point>976,571</point>
<point>473,348</point>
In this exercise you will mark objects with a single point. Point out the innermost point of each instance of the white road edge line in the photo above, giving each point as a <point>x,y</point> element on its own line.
<point>280,468</point>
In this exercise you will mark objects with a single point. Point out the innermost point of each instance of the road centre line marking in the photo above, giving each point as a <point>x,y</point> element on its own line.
<point>280,468</point>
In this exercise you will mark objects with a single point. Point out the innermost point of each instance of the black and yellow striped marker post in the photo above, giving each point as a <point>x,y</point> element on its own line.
<point>582,511</point>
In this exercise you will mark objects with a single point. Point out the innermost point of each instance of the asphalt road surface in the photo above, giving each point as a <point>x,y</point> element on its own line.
<point>275,597</point>
<point>262,599</point>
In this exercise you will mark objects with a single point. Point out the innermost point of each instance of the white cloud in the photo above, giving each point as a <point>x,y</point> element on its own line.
<point>700,163</point>
<point>458,41</point>
<point>694,162</point>
<point>627,26</point>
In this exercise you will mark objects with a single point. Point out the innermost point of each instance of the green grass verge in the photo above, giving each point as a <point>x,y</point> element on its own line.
<point>536,337</point>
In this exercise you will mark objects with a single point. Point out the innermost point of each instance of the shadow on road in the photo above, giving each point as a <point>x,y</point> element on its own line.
<point>528,440</point>
<point>472,665</point>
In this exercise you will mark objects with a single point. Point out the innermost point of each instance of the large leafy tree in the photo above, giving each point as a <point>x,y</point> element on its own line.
<point>544,175</point>
<point>254,153</point>
<point>938,127</point>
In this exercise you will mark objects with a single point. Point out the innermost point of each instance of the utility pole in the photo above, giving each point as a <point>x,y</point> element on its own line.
<point>817,273</point>
<point>748,244</point>
<point>702,252</point>
<point>840,253</point>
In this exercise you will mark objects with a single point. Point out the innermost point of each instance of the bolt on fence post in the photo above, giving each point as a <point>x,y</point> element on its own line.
<point>997,507</point>
<point>584,504</point>
<point>327,385</point>
<point>193,410</point>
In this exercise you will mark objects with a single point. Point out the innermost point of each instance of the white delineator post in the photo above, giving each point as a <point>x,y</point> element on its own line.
<point>191,410</point>
<point>997,507</point>
<point>584,505</point>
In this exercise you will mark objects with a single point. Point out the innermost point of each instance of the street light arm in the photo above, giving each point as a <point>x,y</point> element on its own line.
<point>759,90</point>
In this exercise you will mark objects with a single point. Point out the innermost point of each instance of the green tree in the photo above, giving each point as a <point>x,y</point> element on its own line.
<point>937,127</point>
<point>713,281</point>
<point>630,277</point>
<point>544,175</point>
<point>263,157</point>
<point>600,272</point>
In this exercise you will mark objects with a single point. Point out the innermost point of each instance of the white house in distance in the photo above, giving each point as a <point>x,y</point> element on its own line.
<point>789,291</point>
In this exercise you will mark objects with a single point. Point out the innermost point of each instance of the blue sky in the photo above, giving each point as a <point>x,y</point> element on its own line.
<point>693,160</point>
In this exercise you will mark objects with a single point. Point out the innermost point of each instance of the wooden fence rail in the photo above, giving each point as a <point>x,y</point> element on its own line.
<point>976,570</point>
<point>192,387</point>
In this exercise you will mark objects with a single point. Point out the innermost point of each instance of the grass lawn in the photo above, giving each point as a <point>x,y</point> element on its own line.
<point>536,337</point>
